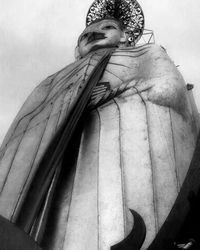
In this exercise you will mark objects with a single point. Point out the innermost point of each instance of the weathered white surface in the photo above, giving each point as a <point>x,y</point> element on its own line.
<point>151,117</point>
<point>134,153</point>
<point>83,214</point>
<point>111,177</point>
<point>165,184</point>
<point>136,161</point>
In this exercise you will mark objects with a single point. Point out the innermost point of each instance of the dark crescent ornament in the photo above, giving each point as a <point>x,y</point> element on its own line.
<point>127,12</point>
<point>136,237</point>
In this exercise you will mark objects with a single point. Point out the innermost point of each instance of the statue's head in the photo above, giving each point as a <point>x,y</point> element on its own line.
<point>111,23</point>
<point>101,34</point>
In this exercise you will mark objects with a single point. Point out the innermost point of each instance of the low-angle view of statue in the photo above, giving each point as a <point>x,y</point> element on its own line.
<point>103,153</point>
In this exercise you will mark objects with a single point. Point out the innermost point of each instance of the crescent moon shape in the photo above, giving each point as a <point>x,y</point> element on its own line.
<point>136,237</point>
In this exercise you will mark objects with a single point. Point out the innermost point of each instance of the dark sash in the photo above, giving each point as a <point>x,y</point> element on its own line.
<point>44,182</point>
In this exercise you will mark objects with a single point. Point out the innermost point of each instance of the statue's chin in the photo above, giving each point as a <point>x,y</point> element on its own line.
<point>97,47</point>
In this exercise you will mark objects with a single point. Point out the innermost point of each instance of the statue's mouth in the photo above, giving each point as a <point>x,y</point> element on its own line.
<point>95,36</point>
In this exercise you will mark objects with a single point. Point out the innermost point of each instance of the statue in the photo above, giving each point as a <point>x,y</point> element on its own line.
<point>103,144</point>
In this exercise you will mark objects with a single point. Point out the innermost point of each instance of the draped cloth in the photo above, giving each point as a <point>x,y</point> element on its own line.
<point>32,152</point>
<point>139,143</point>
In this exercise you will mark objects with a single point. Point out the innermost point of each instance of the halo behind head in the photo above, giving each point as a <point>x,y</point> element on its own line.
<point>127,12</point>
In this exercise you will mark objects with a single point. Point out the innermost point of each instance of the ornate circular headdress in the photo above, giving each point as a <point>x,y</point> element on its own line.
<point>128,12</point>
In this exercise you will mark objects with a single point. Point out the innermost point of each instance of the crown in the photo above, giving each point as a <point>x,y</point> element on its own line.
<point>127,12</point>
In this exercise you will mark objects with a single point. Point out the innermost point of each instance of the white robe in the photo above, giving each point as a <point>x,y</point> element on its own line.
<point>134,153</point>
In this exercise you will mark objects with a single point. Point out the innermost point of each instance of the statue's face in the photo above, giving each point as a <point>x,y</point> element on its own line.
<point>103,34</point>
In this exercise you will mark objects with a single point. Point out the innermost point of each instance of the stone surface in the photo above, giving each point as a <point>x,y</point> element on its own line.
<point>134,153</point>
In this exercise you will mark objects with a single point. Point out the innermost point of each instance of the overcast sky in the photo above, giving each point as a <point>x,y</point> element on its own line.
<point>37,38</point>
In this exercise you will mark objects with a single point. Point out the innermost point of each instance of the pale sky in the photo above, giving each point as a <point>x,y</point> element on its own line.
<point>37,38</point>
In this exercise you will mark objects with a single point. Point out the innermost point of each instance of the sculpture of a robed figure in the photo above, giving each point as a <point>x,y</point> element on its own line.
<point>97,156</point>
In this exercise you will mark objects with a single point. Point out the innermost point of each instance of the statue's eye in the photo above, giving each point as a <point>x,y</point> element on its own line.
<point>109,27</point>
